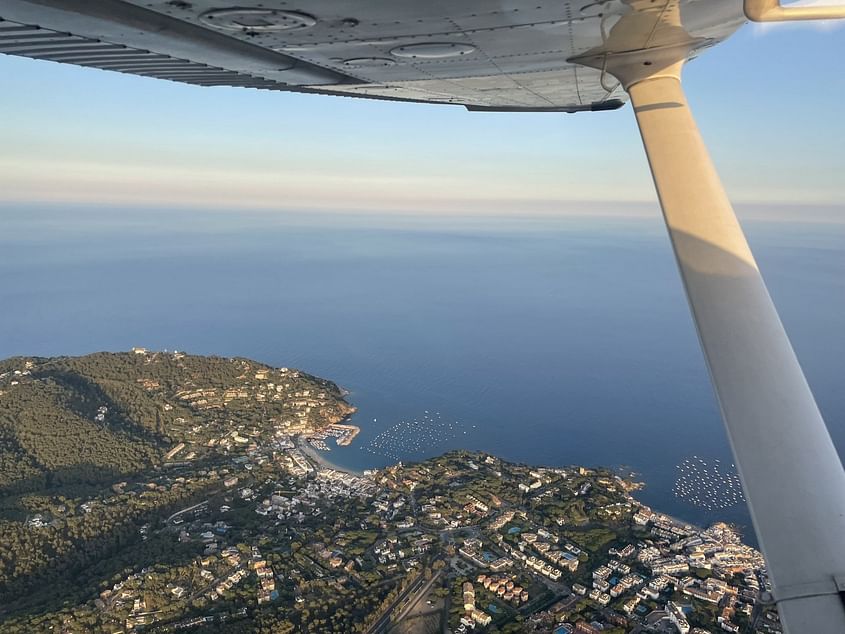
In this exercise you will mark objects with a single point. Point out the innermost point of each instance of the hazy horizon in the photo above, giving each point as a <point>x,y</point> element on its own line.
<point>81,135</point>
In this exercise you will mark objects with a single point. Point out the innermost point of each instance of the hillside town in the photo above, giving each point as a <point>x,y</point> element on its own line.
<point>509,547</point>
<point>247,527</point>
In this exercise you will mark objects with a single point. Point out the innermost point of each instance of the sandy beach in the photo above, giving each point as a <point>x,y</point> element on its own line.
<point>320,458</point>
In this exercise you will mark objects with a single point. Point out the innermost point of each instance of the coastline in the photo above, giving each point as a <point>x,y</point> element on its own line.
<point>321,460</point>
<point>748,537</point>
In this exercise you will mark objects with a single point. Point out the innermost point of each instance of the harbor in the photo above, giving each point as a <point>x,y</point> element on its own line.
<point>343,434</point>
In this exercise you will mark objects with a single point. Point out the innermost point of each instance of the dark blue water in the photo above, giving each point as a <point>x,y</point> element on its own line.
<point>548,341</point>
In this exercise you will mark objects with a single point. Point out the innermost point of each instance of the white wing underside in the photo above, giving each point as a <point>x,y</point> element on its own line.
<point>506,55</point>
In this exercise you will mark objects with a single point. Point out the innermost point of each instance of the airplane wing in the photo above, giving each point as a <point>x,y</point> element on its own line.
<point>507,55</point>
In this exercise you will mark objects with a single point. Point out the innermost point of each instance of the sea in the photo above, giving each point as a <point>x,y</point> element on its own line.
<point>545,340</point>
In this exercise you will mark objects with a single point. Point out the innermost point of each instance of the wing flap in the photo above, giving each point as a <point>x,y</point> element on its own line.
<point>131,29</point>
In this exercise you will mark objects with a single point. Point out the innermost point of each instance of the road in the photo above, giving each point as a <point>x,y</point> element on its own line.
<point>416,599</point>
<point>419,586</point>
<point>185,510</point>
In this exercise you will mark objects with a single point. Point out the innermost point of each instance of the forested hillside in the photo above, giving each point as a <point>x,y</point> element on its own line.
<point>95,448</point>
<point>92,419</point>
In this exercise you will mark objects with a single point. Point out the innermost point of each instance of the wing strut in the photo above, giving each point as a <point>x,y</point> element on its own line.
<point>790,470</point>
<point>773,11</point>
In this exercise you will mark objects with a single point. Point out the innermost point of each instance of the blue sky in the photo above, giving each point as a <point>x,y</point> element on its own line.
<point>769,102</point>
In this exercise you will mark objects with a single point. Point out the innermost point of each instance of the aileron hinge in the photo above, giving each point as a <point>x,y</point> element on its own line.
<point>839,580</point>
